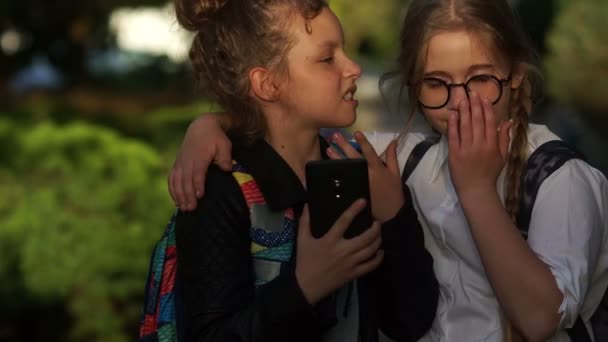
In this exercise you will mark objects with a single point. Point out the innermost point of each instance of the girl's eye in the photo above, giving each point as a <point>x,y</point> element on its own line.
<point>433,83</point>
<point>327,60</point>
<point>481,78</point>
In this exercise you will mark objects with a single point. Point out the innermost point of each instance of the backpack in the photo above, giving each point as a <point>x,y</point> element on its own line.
<point>158,321</point>
<point>545,160</point>
<point>270,251</point>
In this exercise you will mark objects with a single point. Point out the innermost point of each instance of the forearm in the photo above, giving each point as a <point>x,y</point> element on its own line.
<point>405,282</point>
<point>524,284</point>
<point>217,119</point>
<point>277,312</point>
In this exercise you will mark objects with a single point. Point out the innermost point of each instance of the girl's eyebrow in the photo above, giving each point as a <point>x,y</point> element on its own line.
<point>437,73</point>
<point>329,44</point>
<point>472,69</point>
<point>478,67</point>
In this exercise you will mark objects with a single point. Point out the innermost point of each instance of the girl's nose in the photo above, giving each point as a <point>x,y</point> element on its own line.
<point>457,94</point>
<point>353,69</point>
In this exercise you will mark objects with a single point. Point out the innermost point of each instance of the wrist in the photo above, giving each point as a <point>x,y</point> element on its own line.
<point>477,194</point>
<point>212,119</point>
<point>308,289</point>
<point>396,207</point>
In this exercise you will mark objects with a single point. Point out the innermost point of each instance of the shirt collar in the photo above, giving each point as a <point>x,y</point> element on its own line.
<point>441,157</point>
<point>279,185</point>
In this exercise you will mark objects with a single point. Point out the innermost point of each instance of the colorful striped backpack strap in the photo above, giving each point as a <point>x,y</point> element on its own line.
<point>272,233</point>
<point>158,321</point>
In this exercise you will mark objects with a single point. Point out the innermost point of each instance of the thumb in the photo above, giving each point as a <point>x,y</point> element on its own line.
<point>223,157</point>
<point>391,157</point>
<point>504,138</point>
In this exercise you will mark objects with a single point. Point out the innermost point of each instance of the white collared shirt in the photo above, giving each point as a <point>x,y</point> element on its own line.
<point>568,231</point>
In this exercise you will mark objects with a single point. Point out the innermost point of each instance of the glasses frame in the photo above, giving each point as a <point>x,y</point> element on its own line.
<point>465,85</point>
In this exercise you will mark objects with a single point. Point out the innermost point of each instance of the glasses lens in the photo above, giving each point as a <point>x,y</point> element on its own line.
<point>486,86</point>
<point>433,92</point>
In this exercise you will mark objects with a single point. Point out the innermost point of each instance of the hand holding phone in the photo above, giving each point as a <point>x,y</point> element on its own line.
<point>325,264</point>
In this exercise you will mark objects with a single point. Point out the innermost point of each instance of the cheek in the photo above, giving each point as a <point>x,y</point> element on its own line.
<point>332,81</point>
<point>437,118</point>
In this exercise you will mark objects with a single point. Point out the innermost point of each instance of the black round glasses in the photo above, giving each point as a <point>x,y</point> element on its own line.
<point>435,92</point>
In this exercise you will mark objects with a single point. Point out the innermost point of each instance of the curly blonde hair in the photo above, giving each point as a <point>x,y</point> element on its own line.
<point>233,36</point>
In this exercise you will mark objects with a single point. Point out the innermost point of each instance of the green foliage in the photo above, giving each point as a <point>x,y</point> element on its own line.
<point>163,127</point>
<point>371,27</point>
<point>81,209</point>
<point>577,63</point>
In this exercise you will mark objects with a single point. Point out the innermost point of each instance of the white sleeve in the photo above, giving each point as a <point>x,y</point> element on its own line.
<point>567,230</point>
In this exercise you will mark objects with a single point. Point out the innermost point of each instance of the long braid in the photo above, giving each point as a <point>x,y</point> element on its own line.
<point>518,153</point>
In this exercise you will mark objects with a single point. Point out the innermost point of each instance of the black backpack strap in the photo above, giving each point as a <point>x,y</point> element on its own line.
<point>416,156</point>
<point>599,320</point>
<point>545,160</point>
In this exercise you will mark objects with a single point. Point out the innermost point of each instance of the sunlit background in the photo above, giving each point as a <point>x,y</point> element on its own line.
<point>95,97</point>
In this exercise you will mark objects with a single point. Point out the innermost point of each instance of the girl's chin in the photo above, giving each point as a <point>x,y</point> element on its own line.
<point>441,127</point>
<point>345,120</point>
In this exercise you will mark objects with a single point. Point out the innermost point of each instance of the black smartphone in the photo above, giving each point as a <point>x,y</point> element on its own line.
<point>333,185</point>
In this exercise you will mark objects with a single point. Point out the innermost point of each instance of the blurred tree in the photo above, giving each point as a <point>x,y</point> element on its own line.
<point>371,27</point>
<point>80,211</point>
<point>577,61</point>
<point>537,17</point>
<point>63,29</point>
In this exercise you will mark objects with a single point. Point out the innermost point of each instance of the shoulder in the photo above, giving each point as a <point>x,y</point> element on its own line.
<point>572,188</point>
<point>539,135</point>
<point>574,169</point>
<point>578,177</point>
<point>220,184</point>
<point>223,202</point>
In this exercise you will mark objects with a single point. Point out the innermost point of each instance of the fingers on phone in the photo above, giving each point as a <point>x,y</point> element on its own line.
<point>369,153</point>
<point>366,238</point>
<point>347,149</point>
<point>339,228</point>
<point>368,251</point>
<point>334,154</point>
<point>370,265</point>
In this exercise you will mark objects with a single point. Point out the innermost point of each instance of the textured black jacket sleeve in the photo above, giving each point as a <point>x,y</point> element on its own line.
<point>215,273</point>
<point>406,288</point>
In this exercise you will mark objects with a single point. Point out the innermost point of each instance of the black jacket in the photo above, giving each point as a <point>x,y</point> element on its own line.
<point>217,298</point>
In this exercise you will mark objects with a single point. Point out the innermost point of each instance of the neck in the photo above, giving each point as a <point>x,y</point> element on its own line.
<point>297,145</point>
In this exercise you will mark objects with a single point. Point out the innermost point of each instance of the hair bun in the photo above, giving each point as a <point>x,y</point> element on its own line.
<point>208,7</point>
<point>192,14</point>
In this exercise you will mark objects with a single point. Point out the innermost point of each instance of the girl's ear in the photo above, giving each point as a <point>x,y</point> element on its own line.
<point>519,73</point>
<point>263,84</point>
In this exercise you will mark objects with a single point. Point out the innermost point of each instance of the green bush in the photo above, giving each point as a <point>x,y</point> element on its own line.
<point>80,211</point>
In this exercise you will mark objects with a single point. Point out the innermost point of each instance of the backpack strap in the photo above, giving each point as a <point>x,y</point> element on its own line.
<point>158,322</point>
<point>272,233</point>
<point>416,156</point>
<point>543,162</point>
